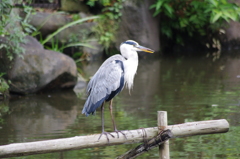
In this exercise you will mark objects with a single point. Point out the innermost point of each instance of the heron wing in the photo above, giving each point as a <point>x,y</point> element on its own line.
<point>103,69</point>
<point>107,82</point>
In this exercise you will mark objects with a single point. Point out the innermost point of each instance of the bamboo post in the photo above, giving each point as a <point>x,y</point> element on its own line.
<point>162,124</point>
<point>90,141</point>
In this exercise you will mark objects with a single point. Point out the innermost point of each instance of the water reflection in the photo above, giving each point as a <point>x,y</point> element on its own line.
<point>40,116</point>
<point>189,88</point>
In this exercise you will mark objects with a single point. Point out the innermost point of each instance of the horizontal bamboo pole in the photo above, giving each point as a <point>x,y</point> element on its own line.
<point>133,136</point>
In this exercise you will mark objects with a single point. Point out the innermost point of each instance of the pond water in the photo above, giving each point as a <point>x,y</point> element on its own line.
<point>188,88</point>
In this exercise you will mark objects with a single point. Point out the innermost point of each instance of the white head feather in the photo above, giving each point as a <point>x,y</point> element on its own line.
<point>129,51</point>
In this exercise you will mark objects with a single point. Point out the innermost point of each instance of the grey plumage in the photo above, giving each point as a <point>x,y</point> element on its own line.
<point>104,83</point>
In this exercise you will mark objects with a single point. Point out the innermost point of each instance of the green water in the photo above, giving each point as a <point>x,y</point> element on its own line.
<point>188,88</point>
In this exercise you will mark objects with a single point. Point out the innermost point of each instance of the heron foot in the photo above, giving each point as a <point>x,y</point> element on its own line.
<point>106,134</point>
<point>118,131</point>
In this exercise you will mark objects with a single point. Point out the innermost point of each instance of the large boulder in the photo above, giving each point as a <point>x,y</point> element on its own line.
<point>231,38</point>
<point>40,69</point>
<point>230,35</point>
<point>138,23</point>
<point>95,52</point>
<point>46,22</point>
<point>76,33</point>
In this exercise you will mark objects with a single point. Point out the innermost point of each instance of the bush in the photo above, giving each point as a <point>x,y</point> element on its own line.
<point>12,28</point>
<point>194,16</point>
<point>109,22</point>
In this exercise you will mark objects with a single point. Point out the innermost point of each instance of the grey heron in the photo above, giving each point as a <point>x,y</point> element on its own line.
<point>117,71</point>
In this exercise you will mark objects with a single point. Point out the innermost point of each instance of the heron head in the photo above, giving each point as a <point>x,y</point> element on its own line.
<point>131,45</point>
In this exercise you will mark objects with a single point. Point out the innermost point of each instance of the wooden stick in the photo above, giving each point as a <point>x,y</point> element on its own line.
<point>162,124</point>
<point>133,136</point>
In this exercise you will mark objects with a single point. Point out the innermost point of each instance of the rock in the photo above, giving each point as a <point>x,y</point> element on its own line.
<point>94,53</point>
<point>231,38</point>
<point>32,43</point>
<point>15,25</point>
<point>138,24</point>
<point>5,62</point>
<point>41,69</point>
<point>80,87</point>
<point>48,22</point>
<point>75,33</point>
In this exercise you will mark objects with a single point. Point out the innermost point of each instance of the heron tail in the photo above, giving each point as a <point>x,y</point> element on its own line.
<point>90,107</point>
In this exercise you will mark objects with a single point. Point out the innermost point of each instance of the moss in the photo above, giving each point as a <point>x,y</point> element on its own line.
<point>4,88</point>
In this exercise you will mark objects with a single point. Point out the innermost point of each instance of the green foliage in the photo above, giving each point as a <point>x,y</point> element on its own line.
<point>194,16</point>
<point>9,30</point>
<point>109,22</point>
<point>3,86</point>
<point>4,109</point>
<point>105,33</point>
<point>102,2</point>
<point>113,11</point>
<point>28,28</point>
<point>14,28</point>
<point>55,45</point>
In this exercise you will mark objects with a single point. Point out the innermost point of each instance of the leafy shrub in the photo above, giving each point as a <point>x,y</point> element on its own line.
<point>109,21</point>
<point>13,28</point>
<point>194,16</point>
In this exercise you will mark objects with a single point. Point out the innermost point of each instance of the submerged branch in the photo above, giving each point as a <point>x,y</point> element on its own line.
<point>145,147</point>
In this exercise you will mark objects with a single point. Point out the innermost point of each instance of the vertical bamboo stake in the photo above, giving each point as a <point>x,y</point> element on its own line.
<point>162,124</point>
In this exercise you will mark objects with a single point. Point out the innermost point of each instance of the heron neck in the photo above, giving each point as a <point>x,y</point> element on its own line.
<point>130,69</point>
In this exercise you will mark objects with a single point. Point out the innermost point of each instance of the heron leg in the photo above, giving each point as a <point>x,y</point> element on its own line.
<point>104,132</point>
<point>114,125</point>
<point>110,108</point>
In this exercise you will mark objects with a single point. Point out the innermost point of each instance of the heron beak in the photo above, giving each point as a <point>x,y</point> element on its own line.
<point>142,48</point>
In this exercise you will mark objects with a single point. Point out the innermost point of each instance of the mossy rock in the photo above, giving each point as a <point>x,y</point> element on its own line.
<point>4,88</point>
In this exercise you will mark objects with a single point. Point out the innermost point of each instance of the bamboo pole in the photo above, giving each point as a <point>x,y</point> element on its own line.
<point>162,124</point>
<point>133,136</point>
